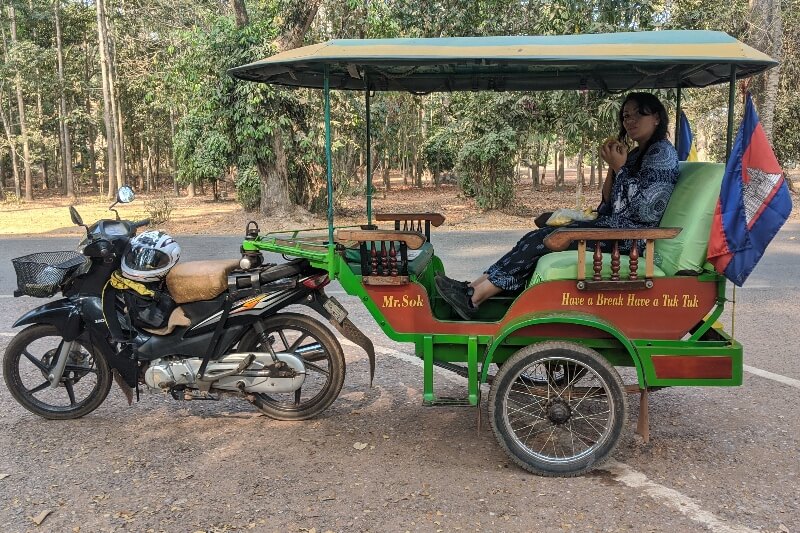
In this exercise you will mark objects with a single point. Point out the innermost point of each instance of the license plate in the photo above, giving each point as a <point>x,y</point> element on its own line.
<point>336,310</point>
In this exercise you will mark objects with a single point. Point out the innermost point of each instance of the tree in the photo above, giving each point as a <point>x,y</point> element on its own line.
<point>66,143</point>
<point>23,127</point>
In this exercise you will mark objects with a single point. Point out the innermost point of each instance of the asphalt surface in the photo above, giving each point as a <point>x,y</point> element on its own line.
<point>720,459</point>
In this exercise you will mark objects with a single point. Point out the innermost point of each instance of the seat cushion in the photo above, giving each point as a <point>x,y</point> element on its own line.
<point>690,207</point>
<point>564,265</point>
<point>417,259</point>
<point>194,281</point>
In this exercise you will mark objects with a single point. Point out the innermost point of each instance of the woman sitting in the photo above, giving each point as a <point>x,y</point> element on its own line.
<point>634,196</point>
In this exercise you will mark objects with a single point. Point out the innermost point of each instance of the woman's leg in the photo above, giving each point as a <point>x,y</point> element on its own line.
<point>483,291</point>
<point>478,281</point>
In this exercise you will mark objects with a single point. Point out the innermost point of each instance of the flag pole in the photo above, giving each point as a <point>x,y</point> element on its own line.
<point>731,104</point>
<point>728,143</point>
<point>678,116</point>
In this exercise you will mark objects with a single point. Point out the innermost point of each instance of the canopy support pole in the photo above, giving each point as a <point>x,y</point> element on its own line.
<point>329,174</point>
<point>731,104</point>
<point>678,117</point>
<point>369,151</point>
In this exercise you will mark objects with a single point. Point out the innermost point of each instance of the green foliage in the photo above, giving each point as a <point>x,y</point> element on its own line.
<point>248,188</point>
<point>159,210</point>
<point>486,168</point>
<point>439,152</point>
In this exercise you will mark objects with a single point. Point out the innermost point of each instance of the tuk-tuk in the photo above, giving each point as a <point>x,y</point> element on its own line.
<point>557,404</point>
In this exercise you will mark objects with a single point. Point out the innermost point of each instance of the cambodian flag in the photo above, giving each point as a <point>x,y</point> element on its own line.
<point>753,204</point>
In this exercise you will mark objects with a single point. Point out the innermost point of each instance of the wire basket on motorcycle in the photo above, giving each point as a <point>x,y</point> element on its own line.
<point>41,274</point>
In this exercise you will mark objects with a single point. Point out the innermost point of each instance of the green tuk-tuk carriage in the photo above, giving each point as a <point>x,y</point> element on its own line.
<point>557,404</point>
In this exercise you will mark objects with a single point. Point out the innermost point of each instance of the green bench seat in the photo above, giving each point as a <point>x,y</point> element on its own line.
<point>690,207</point>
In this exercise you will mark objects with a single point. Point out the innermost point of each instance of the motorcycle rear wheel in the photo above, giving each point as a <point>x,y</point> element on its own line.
<point>321,353</point>
<point>27,362</point>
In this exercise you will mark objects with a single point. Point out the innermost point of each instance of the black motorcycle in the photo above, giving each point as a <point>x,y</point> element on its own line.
<point>227,331</point>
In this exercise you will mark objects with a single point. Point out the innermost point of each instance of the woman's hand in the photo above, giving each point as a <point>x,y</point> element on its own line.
<point>614,153</point>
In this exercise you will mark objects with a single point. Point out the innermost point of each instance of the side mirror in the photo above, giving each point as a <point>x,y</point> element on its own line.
<point>76,218</point>
<point>125,194</point>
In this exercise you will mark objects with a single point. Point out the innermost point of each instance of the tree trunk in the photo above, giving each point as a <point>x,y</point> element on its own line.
<point>156,163</point>
<point>240,11</point>
<point>560,178</point>
<point>108,115</point>
<point>765,27</point>
<point>11,148</point>
<point>116,110</point>
<point>66,154</point>
<point>274,174</point>
<point>149,171</point>
<point>90,133</point>
<point>174,157</point>
<point>275,181</point>
<point>23,127</point>
<point>600,174</point>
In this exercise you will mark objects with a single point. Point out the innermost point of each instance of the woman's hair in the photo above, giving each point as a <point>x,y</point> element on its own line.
<point>648,104</point>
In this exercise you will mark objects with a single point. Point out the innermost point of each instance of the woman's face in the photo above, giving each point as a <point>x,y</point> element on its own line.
<point>639,127</point>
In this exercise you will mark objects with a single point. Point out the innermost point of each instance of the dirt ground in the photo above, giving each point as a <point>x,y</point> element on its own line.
<point>376,460</point>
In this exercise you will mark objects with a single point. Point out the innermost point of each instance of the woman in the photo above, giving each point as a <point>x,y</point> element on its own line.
<point>634,196</point>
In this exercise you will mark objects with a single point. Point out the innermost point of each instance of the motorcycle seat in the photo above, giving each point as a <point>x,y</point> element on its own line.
<point>195,281</point>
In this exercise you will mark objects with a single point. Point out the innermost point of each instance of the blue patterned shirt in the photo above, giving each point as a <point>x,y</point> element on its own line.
<point>639,199</point>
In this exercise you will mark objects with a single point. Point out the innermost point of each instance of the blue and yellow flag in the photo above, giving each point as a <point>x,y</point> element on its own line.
<point>686,149</point>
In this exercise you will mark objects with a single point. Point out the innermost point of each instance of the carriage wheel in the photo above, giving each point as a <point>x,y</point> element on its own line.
<point>558,408</point>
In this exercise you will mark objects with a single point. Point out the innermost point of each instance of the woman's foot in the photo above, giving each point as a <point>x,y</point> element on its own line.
<point>450,282</point>
<point>458,294</point>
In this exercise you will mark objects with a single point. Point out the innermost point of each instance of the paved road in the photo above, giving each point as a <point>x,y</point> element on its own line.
<point>719,459</point>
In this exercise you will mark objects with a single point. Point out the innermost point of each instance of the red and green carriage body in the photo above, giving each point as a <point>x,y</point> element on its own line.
<point>582,313</point>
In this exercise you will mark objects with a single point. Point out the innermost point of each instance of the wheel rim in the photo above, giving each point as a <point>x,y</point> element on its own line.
<point>79,383</point>
<point>316,358</point>
<point>558,410</point>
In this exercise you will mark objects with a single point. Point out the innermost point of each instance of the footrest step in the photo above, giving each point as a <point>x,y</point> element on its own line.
<point>447,402</point>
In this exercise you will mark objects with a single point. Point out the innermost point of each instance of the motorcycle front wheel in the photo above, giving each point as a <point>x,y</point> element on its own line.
<point>322,356</point>
<point>28,361</point>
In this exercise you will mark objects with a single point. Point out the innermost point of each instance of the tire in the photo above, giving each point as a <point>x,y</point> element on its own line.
<point>27,361</point>
<point>559,428</point>
<point>325,366</point>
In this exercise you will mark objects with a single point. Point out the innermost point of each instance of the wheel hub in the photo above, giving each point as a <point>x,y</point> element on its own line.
<point>558,412</point>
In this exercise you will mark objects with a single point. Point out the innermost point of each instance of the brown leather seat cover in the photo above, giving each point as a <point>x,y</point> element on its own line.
<point>176,319</point>
<point>194,281</point>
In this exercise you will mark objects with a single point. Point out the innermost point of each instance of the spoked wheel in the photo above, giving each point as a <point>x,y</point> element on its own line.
<point>28,361</point>
<point>558,409</point>
<point>321,353</point>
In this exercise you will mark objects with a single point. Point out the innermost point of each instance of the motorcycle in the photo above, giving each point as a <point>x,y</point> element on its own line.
<point>228,331</point>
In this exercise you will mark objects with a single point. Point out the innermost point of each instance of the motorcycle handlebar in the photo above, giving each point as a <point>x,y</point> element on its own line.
<point>141,223</point>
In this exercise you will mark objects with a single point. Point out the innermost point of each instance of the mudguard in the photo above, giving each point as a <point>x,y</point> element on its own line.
<point>580,319</point>
<point>64,314</point>
<point>346,328</point>
<point>70,318</point>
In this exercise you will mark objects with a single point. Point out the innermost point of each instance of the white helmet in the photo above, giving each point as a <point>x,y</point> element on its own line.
<point>150,256</point>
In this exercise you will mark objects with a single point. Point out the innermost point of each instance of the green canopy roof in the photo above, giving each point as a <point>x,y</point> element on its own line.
<point>610,62</point>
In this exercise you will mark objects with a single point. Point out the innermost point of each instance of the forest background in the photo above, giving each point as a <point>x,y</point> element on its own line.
<point>94,94</point>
